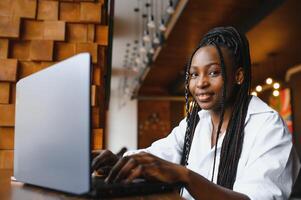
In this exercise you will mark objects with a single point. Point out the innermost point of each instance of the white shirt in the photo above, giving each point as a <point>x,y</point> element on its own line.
<point>268,164</point>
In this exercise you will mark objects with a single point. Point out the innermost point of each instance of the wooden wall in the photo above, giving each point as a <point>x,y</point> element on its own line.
<point>156,119</point>
<point>37,33</point>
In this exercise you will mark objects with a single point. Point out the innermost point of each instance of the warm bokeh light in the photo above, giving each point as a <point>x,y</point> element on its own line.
<point>254,93</point>
<point>269,81</point>
<point>276,93</point>
<point>258,88</point>
<point>276,85</point>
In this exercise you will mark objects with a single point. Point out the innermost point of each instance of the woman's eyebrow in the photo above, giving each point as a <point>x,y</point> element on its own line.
<point>207,65</point>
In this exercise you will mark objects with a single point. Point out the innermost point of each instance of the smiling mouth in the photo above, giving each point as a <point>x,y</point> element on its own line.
<point>204,97</point>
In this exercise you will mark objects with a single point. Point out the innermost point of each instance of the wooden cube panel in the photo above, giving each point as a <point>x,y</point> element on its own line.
<point>3,48</point>
<point>9,26</point>
<point>91,33</point>
<point>12,97</point>
<point>24,8</point>
<point>8,69</point>
<point>6,159</point>
<point>90,12</point>
<point>8,118</point>
<point>20,50</point>
<point>32,30</point>
<point>95,95</point>
<point>97,139</point>
<point>69,12</point>
<point>88,47</point>
<point>95,117</point>
<point>96,75</point>
<point>41,50</point>
<point>48,10</point>
<point>54,30</point>
<point>77,32</point>
<point>4,92</point>
<point>102,35</point>
<point>28,68</point>
<point>5,8</point>
<point>64,50</point>
<point>7,138</point>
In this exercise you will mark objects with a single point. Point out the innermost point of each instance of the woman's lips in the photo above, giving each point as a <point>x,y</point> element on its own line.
<point>204,97</point>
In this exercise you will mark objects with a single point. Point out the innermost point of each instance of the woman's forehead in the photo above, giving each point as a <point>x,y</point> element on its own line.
<point>209,54</point>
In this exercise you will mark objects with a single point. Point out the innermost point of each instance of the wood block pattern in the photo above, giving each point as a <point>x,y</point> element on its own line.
<point>32,30</point>
<point>69,12</point>
<point>5,8</point>
<point>90,12</point>
<point>101,35</point>
<point>24,8</point>
<point>64,50</point>
<point>7,117</point>
<point>35,34</point>
<point>48,10</point>
<point>95,117</point>
<point>20,49</point>
<point>4,92</point>
<point>6,138</point>
<point>97,139</point>
<point>54,30</point>
<point>88,47</point>
<point>27,68</point>
<point>6,159</point>
<point>9,26</point>
<point>8,69</point>
<point>35,52</point>
<point>3,48</point>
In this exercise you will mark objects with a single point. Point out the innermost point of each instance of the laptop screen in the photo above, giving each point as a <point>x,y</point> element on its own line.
<point>52,126</point>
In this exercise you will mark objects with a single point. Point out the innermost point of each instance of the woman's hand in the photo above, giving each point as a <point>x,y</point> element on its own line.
<point>103,161</point>
<point>146,166</point>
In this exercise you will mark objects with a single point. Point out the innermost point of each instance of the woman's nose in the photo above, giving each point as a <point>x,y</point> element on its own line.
<point>202,81</point>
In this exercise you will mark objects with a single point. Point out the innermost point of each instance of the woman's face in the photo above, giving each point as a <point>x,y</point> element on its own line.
<point>206,81</point>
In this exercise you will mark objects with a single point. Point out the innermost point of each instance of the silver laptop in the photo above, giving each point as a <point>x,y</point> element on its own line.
<point>52,127</point>
<point>52,133</point>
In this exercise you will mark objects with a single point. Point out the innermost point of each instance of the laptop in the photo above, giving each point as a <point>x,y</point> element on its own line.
<point>53,133</point>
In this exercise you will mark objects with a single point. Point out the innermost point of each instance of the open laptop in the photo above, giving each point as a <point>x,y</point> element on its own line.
<point>53,130</point>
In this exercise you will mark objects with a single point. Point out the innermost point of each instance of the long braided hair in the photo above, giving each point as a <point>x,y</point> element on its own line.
<point>231,149</point>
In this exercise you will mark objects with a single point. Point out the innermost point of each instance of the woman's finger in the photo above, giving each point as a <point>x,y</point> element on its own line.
<point>105,158</point>
<point>120,163</point>
<point>135,173</point>
<point>126,169</point>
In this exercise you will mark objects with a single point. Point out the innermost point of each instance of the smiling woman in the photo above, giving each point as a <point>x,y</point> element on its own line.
<point>230,146</point>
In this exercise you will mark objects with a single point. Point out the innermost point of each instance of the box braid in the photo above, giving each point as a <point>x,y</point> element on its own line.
<point>237,43</point>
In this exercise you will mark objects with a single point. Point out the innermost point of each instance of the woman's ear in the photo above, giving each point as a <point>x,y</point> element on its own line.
<point>239,76</point>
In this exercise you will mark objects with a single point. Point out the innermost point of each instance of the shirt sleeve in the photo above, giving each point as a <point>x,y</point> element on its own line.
<point>168,148</point>
<point>272,166</point>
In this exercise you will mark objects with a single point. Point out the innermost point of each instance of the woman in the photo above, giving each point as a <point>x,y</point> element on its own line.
<point>230,146</point>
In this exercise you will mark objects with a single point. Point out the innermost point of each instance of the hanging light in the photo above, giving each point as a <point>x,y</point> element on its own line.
<point>156,39</point>
<point>275,93</point>
<point>276,85</point>
<point>142,49</point>
<point>254,93</point>
<point>269,81</point>
<point>170,10</point>
<point>146,37</point>
<point>151,23</point>
<point>258,88</point>
<point>151,50</point>
<point>162,26</point>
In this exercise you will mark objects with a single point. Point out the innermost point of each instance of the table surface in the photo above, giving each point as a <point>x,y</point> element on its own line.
<point>11,190</point>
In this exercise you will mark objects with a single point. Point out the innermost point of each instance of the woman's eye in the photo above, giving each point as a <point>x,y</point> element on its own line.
<point>214,73</point>
<point>193,75</point>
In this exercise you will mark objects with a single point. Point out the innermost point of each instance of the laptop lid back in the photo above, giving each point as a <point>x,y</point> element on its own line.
<point>52,127</point>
